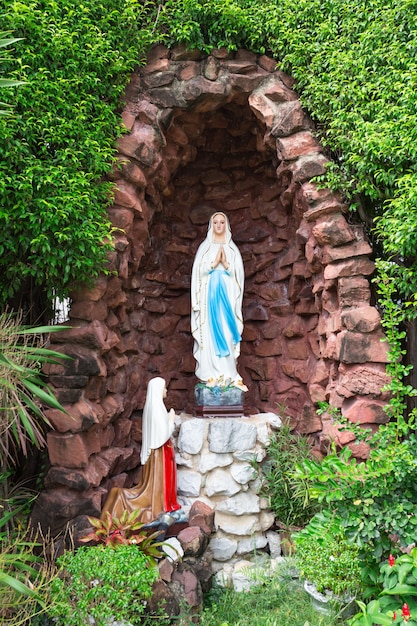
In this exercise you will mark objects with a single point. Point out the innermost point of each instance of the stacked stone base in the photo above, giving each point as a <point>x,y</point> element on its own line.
<point>215,461</point>
<point>186,572</point>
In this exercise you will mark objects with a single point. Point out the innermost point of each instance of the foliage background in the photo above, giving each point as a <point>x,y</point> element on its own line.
<point>355,69</point>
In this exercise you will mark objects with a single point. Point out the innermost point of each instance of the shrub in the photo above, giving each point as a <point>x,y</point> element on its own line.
<point>288,495</point>
<point>102,584</point>
<point>325,558</point>
<point>75,59</point>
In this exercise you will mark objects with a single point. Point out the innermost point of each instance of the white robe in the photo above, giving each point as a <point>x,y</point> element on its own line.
<point>209,365</point>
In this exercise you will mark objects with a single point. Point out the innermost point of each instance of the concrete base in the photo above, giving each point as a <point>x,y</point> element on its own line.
<point>219,411</point>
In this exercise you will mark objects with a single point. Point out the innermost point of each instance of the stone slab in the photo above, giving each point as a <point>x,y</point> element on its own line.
<point>219,411</point>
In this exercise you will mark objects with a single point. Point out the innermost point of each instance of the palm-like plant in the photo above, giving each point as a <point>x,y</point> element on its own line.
<point>23,394</point>
<point>6,40</point>
<point>23,388</point>
<point>25,578</point>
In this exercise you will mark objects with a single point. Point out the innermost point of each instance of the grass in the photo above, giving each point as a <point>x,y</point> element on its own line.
<point>279,600</point>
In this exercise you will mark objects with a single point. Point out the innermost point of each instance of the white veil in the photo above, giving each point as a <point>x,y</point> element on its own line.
<point>156,426</point>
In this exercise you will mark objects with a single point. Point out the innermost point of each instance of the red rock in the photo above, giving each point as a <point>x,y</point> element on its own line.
<point>289,118</point>
<point>156,65</point>
<point>354,291</point>
<point>361,348</point>
<point>315,196</point>
<point>114,296</point>
<point>262,107</point>
<point>187,70</point>
<point>119,460</point>
<point>317,394</point>
<point>122,428</point>
<point>201,515</point>
<point>330,324</point>
<point>190,584</point>
<point>357,248</point>
<point>296,348</point>
<point>112,405</point>
<point>364,319</point>
<point>277,91</point>
<point>332,432</point>
<point>70,450</point>
<point>181,53</point>
<point>121,218</point>
<point>133,174</point>
<point>270,348</point>
<point>308,166</point>
<point>157,52</point>
<point>255,311</point>
<point>165,325</point>
<point>325,209</point>
<point>54,507</point>
<point>94,293</point>
<point>267,63</point>
<point>365,411</point>
<point>125,195</point>
<point>333,230</point>
<point>128,119</point>
<point>166,570</point>
<point>163,596</point>
<point>361,265</point>
<point>297,145</point>
<point>91,335</point>
<point>360,380</point>
<point>360,450</point>
<point>78,417</point>
<point>193,540</point>
<point>78,479</point>
<point>89,311</point>
<point>294,369</point>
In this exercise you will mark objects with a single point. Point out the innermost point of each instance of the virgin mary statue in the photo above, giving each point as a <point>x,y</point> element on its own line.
<point>156,492</point>
<point>216,303</point>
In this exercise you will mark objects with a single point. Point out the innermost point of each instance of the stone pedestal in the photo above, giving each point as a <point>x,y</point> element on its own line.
<point>215,465</point>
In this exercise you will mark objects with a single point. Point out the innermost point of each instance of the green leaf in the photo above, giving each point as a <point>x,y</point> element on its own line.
<point>400,590</point>
<point>14,583</point>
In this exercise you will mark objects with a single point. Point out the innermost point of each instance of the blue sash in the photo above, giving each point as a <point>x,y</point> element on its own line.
<point>219,308</point>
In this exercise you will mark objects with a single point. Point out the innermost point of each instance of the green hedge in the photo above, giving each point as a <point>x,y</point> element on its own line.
<point>54,154</point>
<point>355,67</point>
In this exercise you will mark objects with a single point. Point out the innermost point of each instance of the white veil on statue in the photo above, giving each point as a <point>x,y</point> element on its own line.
<point>157,428</point>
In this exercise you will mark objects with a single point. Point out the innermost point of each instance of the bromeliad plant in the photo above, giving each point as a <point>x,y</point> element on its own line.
<point>397,602</point>
<point>124,530</point>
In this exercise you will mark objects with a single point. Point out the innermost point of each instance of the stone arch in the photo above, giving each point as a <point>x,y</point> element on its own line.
<point>208,133</point>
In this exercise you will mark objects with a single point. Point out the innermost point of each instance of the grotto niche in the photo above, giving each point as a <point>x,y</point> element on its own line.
<point>206,133</point>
